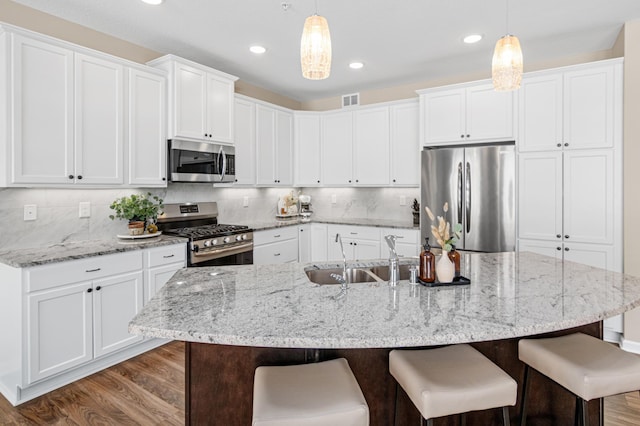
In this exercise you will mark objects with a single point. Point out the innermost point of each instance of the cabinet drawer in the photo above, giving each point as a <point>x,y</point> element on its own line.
<point>280,252</point>
<point>165,255</point>
<point>274,235</point>
<point>406,236</point>
<point>49,276</point>
<point>354,232</point>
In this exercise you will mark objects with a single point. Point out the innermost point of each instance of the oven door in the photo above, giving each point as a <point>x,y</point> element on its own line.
<point>201,162</point>
<point>242,254</point>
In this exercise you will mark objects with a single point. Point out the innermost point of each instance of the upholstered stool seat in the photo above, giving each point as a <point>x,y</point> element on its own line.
<point>452,380</point>
<point>317,394</point>
<point>588,367</point>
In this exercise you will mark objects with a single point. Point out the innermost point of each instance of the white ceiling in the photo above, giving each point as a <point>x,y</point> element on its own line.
<point>399,41</point>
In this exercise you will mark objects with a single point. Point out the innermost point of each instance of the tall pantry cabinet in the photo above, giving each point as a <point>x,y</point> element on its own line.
<point>570,167</point>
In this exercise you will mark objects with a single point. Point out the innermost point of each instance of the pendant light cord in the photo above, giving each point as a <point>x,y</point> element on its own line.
<point>506,17</point>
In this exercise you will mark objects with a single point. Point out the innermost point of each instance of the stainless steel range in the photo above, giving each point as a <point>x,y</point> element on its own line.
<point>210,243</point>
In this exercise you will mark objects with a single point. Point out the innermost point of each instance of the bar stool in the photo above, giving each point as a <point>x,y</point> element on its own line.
<point>584,365</point>
<point>452,380</point>
<point>316,394</point>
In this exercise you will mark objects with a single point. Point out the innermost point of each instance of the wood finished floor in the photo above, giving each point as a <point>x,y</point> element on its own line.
<point>149,390</point>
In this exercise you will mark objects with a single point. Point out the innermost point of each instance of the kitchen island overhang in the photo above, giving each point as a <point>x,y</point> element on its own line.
<point>239,317</point>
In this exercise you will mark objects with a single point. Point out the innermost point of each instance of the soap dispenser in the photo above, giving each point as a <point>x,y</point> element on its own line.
<point>427,263</point>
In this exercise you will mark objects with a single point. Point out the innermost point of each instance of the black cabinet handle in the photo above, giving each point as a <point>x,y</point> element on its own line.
<point>558,248</point>
<point>566,237</point>
<point>89,290</point>
<point>394,180</point>
<point>558,236</point>
<point>566,249</point>
<point>92,270</point>
<point>98,288</point>
<point>468,136</point>
<point>164,178</point>
<point>461,136</point>
<point>357,181</point>
<point>349,180</point>
<point>566,144</point>
<point>79,177</point>
<point>318,181</point>
<point>559,145</point>
<point>168,257</point>
<point>71,176</point>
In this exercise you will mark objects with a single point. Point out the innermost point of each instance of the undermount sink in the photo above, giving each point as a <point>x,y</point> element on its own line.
<point>354,275</point>
<point>382,272</point>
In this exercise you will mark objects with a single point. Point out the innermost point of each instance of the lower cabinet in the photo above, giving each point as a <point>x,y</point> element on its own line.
<point>359,242</point>
<point>407,242</point>
<point>279,245</point>
<point>70,319</point>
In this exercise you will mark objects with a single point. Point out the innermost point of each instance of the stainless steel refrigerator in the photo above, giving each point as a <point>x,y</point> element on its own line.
<point>478,182</point>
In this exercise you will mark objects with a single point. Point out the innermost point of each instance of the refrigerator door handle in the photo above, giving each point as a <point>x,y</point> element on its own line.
<point>460,192</point>
<point>467,198</point>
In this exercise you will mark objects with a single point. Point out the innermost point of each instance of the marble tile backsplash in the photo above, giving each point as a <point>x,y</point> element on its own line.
<point>57,209</point>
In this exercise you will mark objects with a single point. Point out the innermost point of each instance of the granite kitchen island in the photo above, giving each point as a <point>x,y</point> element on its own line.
<point>235,318</point>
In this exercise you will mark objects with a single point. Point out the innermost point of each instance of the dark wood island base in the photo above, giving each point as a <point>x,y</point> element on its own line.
<point>219,384</point>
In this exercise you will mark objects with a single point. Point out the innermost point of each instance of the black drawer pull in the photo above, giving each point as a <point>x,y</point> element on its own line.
<point>93,270</point>
<point>98,288</point>
<point>167,257</point>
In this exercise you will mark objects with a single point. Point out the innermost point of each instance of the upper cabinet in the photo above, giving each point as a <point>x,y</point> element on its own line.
<point>201,100</point>
<point>307,162</point>
<point>274,146</point>
<point>371,152</point>
<point>337,148</point>
<point>466,113</point>
<point>405,144</point>
<point>575,109</point>
<point>245,135</point>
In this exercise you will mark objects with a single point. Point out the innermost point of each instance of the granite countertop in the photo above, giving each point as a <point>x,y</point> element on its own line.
<point>510,295</point>
<point>24,258</point>
<point>379,223</point>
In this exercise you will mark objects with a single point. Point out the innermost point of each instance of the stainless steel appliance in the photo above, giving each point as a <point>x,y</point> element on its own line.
<point>305,207</point>
<point>478,182</point>
<point>210,243</point>
<point>201,162</point>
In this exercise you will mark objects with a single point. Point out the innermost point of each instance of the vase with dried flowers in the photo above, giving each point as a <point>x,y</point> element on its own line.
<point>446,236</point>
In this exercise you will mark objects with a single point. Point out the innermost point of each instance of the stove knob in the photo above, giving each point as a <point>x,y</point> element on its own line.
<point>207,243</point>
<point>226,239</point>
<point>238,237</point>
<point>244,236</point>
<point>214,242</point>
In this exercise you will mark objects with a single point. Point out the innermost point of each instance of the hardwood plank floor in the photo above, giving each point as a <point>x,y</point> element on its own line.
<point>149,390</point>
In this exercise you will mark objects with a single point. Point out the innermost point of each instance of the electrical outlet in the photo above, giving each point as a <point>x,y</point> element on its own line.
<point>245,202</point>
<point>403,200</point>
<point>84,209</point>
<point>334,199</point>
<point>30,212</point>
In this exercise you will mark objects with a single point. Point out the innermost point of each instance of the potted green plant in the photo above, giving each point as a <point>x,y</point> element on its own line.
<point>138,209</point>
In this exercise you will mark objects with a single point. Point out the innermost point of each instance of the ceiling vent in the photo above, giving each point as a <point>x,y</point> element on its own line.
<point>350,100</point>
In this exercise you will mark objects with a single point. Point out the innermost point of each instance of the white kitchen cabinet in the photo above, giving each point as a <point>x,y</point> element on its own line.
<point>405,144</point>
<point>42,105</point>
<point>472,112</point>
<point>307,142</point>
<point>337,148</point>
<point>371,152</point>
<point>160,265</point>
<point>574,108</point>
<point>146,133</point>
<point>319,242</point>
<point>99,115</point>
<point>407,242</point>
<point>116,300</point>
<point>304,243</point>
<point>359,242</point>
<point>245,141</point>
<point>201,100</point>
<point>274,143</point>
<point>278,245</point>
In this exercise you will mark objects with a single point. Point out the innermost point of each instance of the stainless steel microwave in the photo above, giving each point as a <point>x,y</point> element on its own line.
<point>201,162</point>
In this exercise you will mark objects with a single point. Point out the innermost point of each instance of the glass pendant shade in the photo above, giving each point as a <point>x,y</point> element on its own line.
<point>315,48</point>
<point>506,67</point>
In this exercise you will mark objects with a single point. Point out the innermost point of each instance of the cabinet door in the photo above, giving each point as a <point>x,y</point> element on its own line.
<point>245,142</point>
<point>116,300</point>
<point>589,108</point>
<point>304,243</point>
<point>545,248</point>
<point>489,114</point>
<point>371,146</point>
<point>265,145</point>
<point>60,333</point>
<point>42,104</point>
<point>190,102</point>
<point>405,145</point>
<point>158,277</point>
<point>319,242</point>
<point>307,146</point>
<point>444,119</point>
<point>146,129</point>
<point>280,252</point>
<point>540,196</point>
<point>540,113</point>
<point>596,255</point>
<point>588,196</point>
<point>219,109</point>
<point>337,153</point>
<point>366,249</point>
<point>98,121</point>
<point>284,148</point>
<point>334,253</point>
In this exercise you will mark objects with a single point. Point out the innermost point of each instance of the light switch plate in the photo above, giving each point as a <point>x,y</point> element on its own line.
<point>334,199</point>
<point>84,209</point>
<point>403,200</point>
<point>245,202</point>
<point>30,212</point>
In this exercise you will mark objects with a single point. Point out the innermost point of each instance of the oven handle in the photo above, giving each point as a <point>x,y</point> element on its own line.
<point>222,250</point>
<point>223,169</point>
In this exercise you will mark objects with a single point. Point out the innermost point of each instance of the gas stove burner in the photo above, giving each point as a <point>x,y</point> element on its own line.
<point>206,231</point>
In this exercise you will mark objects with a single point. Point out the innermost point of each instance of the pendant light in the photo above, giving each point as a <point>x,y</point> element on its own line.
<point>315,48</point>
<point>506,66</point>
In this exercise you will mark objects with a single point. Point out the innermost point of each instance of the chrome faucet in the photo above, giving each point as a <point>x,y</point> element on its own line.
<point>394,269</point>
<point>345,278</point>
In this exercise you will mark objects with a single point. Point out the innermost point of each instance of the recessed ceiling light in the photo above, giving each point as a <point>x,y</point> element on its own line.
<point>257,49</point>
<point>153,2</point>
<point>472,38</point>
<point>356,65</point>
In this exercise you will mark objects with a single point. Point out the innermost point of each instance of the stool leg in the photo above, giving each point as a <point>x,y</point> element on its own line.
<point>505,416</point>
<point>523,400</point>
<point>585,412</point>
<point>577,417</point>
<point>429,421</point>
<point>463,419</point>
<point>395,408</point>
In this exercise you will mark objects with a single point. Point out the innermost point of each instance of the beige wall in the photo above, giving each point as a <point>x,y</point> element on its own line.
<point>631,170</point>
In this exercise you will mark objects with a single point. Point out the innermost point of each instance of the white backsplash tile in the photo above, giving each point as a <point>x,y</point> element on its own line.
<point>58,219</point>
